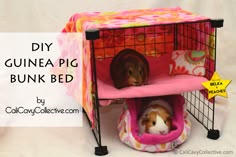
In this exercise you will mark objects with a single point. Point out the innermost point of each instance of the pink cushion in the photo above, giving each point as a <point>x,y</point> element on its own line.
<point>190,62</point>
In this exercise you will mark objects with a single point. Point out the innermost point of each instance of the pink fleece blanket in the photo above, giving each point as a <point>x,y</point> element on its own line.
<point>160,82</point>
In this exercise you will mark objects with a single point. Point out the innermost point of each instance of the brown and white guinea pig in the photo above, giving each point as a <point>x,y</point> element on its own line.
<point>156,118</point>
<point>129,68</point>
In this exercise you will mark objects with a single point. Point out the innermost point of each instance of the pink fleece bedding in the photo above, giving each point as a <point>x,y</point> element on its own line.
<point>160,82</point>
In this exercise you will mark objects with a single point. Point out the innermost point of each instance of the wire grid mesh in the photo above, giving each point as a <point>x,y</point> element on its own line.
<point>200,108</point>
<point>147,40</point>
<point>198,105</point>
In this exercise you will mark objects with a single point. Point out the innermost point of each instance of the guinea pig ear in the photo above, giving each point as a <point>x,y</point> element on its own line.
<point>169,120</point>
<point>144,121</point>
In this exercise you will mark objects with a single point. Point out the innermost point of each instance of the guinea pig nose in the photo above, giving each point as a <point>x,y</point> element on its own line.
<point>162,132</point>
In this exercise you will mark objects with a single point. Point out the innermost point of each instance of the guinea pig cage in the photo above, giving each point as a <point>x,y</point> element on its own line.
<point>180,47</point>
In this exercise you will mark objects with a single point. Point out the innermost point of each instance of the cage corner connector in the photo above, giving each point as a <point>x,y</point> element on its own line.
<point>217,23</point>
<point>213,134</point>
<point>101,150</point>
<point>92,34</point>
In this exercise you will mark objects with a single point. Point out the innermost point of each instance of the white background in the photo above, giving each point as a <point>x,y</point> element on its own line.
<point>51,16</point>
<point>18,47</point>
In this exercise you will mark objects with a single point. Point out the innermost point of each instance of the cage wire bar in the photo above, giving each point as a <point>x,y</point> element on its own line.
<point>197,104</point>
<point>99,150</point>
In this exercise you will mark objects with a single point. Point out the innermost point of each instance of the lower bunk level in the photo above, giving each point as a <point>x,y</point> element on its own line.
<point>196,104</point>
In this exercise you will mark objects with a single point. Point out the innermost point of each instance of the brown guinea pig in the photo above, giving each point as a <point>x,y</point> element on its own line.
<point>129,68</point>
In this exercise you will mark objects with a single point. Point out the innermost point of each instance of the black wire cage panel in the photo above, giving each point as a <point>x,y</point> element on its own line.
<point>155,41</point>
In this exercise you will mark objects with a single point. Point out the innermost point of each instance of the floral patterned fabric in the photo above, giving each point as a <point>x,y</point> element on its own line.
<point>83,91</point>
<point>188,62</point>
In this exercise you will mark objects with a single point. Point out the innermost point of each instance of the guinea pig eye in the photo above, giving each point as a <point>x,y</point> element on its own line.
<point>165,121</point>
<point>130,72</point>
<point>141,72</point>
<point>153,123</point>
